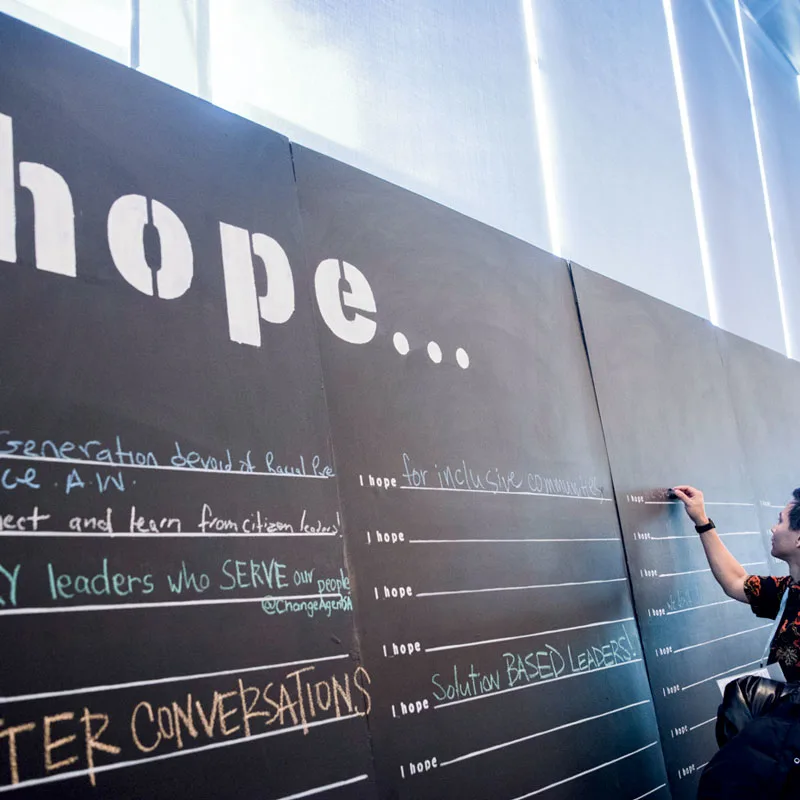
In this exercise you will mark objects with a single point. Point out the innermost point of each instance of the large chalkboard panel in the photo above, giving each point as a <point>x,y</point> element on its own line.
<point>172,578</point>
<point>493,603</point>
<point>764,386</point>
<point>668,418</point>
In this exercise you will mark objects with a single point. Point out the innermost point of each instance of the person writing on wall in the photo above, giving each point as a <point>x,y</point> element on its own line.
<point>765,594</point>
<point>758,724</point>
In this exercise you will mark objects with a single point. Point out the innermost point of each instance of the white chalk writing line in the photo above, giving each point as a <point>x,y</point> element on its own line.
<point>169,467</point>
<point>702,605</point>
<point>707,569</point>
<point>527,635</point>
<point>518,588</point>
<point>135,762</point>
<point>504,494</point>
<point>687,572</point>
<point>696,537</point>
<point>505,541</point>
<point>531,685</point>
<point>111,687</point>
<point>700,766</point>
<point>586,772</point>
<point>319,789</point>
<point>705,722</point>
<point>10,612</point>
<point>530,736</point>
<point>720,638</point>
<point>161,535</point>
<point>707,502</point>
<point>720,674</point>
<point>652,791</point>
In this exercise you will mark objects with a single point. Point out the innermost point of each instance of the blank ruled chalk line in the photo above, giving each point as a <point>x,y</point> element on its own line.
<point>721,638</point>
<point>111,687</point>
<point>586,772</point>
<point>696,536</point>
<point>719,674</point>
<point>136,762</point>
<point>506,541</point>
<point>530,736</point>
<point>652,791</point>
<point>704,722</point>
<point>161,535</point>
<point>702,605</point>
<point>707,569</point>
<point>687,572</point>
<point>506,494</point>
<point>527,635</point>
<point>156,467</point>
<point>545,682</point>
<point>517,588</point>
<point>11,612</point>
<point>318,789</point>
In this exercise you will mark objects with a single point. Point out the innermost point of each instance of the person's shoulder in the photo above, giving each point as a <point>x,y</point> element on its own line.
<point>755,585</point>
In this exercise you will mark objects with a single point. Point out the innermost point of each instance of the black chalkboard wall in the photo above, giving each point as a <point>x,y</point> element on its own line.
<point>160,478</point>
<point>493,605</point>
<point>765,386</point>
<point>668,418</point>
<point>305,491</point>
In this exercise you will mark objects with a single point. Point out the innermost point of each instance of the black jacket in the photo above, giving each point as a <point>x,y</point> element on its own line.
<point>758,730</point>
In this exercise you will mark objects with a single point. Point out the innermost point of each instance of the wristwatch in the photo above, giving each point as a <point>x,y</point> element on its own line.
<point>707,527</point>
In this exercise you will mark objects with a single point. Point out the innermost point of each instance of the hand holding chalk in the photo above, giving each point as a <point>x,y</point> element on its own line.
<point>693,502</point>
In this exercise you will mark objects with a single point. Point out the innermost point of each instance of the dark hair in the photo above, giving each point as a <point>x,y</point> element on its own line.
<point>794,513</point>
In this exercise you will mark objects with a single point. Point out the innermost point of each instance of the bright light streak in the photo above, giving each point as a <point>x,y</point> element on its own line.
<point>543,129</point>
<point>765,190</point>
<point>694,183</point>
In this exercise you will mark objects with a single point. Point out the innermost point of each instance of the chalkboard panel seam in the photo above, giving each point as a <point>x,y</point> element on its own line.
<point>355,628</point>
<point>626,554</point>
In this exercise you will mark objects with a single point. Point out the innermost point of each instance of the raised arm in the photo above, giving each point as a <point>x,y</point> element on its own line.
<point>730,574</point>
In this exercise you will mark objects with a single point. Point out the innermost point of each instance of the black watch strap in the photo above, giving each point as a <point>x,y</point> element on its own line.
<point>707,527</point>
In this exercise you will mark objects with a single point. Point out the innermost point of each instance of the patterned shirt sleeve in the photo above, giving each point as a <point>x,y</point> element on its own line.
<point>764,593</point>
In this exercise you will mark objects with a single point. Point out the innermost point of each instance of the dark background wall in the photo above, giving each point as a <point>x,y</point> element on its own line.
<point>350,498</point>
